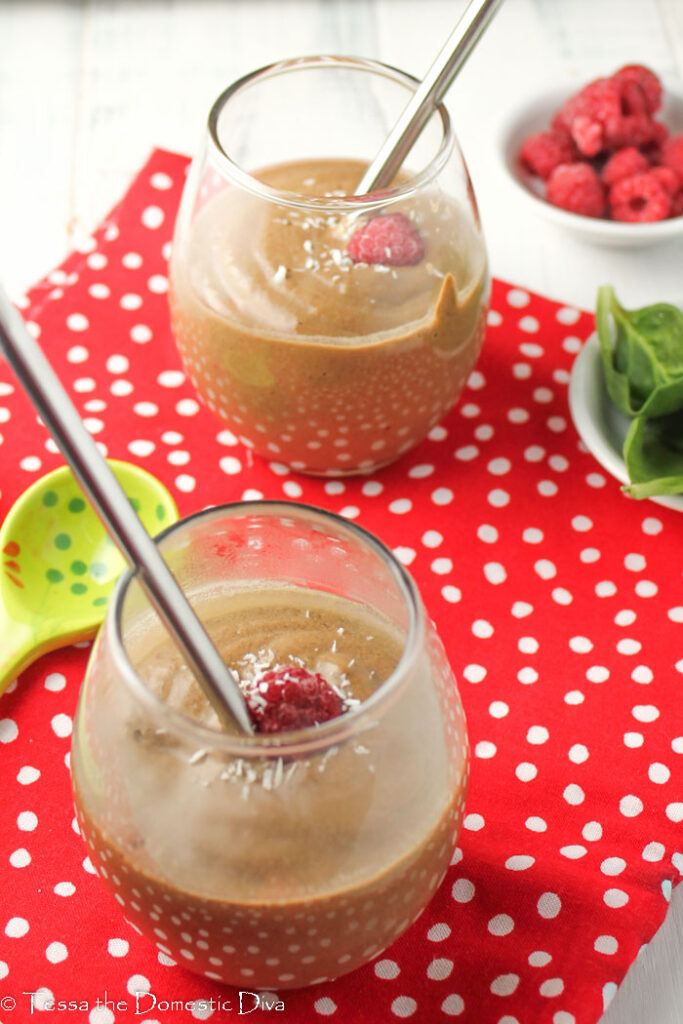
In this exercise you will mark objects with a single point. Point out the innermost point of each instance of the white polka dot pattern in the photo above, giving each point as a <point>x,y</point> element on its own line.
<point>553,596</point>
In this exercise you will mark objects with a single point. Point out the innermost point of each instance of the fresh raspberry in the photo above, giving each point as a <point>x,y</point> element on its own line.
<point>668,179</point>
<point>601,95</point>
<point>389,238</point>
<point>610,113</point>
<point>677,205</point>
<point>648,86</point>
<point>639,199</point>
<point>633,99</point>
<point>661,133</point>
<point>672,154</point>
<point>542,152</point>
<point>653,149</point>
<point>629,130</point>
<point>588,134</point>
<point>577,188</point>
<point>290,697</point>
<point>585,114</point>
<point>624,164</point>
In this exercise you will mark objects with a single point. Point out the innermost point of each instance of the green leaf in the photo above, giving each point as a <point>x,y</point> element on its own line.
<point>653,452</point>
<point>642,355</point>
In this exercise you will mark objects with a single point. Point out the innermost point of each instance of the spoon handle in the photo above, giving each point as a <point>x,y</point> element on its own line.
<point>428,95</point>
<point>120,520</point>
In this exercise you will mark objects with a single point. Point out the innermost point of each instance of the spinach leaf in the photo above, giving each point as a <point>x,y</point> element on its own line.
<point>653,452</point>
<point>642,358</point>
<point>642,355</point>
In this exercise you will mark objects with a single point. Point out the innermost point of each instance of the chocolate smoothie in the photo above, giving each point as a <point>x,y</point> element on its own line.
<point>275,871</point>
<point>329,365</point>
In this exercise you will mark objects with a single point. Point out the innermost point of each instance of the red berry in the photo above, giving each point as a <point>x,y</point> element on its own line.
<point>389,238</point>
<point>598,97</point>
<point>577,188</point>
<point>642,166</point>
<point>653,149</point>
<point>585,114</point>
<point>588,134</point>
<point>677,205</point>
<point>661,133</point>
<point>633,99</point>
<point>624,164</point>
<point>629,130</point>
<point>645,81</point>
<point>639,199</point>
<point>290,697</point>
<point>672,154</point>
<point>542,152</point>
<point>668,179</point>
<point>613,112</point>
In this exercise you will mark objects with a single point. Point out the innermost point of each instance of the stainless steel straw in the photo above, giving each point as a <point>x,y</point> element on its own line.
<point>428,94</point>
<point>120,520</point>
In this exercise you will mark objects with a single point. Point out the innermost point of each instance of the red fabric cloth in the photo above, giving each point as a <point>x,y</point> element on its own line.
<point>558,600</point>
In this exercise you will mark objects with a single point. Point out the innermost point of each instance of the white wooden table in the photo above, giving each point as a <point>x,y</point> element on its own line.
<point>87,89</point>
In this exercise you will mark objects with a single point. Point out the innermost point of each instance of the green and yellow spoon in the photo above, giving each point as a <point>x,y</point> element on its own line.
<point>121,521</point>
<point>58,564</point>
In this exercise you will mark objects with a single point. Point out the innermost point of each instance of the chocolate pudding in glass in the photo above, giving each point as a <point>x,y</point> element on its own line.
<point>329,331</point>
<point>285,858</point>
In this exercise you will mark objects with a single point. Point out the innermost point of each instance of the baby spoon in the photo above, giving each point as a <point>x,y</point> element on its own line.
<point>107,496</point>
<point>58,565</point>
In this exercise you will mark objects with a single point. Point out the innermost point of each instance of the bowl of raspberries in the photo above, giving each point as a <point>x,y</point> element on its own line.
<point>606,161</point>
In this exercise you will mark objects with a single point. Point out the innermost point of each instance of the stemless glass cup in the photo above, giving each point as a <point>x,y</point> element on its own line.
<point>328,365</point>
<point>272,861</point>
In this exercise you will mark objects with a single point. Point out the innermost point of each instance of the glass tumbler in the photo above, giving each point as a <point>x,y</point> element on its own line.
<point>275,860</point>
<point>329,331</point>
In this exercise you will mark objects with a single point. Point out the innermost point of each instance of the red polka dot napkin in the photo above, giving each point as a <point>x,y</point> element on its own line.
<point>558,600</point>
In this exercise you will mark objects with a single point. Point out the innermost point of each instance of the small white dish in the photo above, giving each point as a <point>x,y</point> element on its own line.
<point>535,115</point>
<point>601,427</point>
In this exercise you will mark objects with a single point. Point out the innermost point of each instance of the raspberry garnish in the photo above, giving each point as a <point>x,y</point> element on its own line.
<point>290,697</point>
<point>639,199</point>
<point>577,188</point>
<point>624,164</point>
<point>389,238</point>
<point>542,152</point>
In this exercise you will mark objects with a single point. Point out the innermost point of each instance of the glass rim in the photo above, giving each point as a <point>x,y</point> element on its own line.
<point>297,742</point>
<point>369,201</point>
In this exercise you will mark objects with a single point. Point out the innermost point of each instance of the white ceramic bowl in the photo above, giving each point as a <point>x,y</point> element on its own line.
<point>601,427</point>
<point>535,115</point>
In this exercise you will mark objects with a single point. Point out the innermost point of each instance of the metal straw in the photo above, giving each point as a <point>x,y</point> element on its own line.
<point>120,520</point>
<point>428,95</point>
